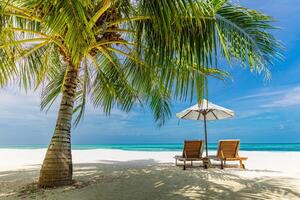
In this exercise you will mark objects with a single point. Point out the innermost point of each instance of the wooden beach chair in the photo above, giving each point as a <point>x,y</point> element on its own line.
<point>228,150</point>
<point>192,151</point>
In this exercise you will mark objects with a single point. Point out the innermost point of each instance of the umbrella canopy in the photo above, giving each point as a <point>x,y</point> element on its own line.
<point>205,111</point>
<point>210,110</point>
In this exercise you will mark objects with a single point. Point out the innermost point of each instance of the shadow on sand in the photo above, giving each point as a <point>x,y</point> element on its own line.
<point>146,179</point>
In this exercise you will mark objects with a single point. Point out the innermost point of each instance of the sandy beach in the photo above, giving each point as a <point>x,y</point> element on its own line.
<point>98,99</point>
<point>118,174</point>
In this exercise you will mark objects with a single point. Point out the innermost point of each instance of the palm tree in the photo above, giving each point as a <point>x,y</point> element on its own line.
<point>123,52</point>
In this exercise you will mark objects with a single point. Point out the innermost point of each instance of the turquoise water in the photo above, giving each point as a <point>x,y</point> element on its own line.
<point>170,147</point>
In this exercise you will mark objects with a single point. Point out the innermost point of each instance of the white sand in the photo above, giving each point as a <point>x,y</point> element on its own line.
<point>286,163</point>
<point>266,170</point>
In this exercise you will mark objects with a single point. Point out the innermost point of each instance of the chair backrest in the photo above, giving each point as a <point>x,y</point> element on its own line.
<point>229,148</point>
<point>193,149</point>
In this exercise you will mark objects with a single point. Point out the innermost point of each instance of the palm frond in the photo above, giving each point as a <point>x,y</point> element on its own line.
<point>128,52</point>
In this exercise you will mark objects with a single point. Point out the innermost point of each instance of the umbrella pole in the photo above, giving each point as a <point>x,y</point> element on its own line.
<point>206,149</point>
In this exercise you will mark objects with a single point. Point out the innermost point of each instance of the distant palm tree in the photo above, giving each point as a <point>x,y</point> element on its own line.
<point>121,52</point>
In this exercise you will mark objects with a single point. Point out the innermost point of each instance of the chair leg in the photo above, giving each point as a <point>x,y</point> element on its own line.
<point>192,163</point>
<point>242,165</point>
<point>184,165</point>
<point>222,164</point>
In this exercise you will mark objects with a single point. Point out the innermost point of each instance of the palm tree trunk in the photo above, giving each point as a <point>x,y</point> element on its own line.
<point>57,168</point>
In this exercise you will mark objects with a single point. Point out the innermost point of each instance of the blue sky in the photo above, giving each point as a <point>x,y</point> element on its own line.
<point>266,111</point>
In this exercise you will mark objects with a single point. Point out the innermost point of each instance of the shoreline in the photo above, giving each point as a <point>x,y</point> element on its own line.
<point>273,147</point>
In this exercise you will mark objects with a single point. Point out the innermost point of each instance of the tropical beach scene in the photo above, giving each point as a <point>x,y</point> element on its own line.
<point>149,99</point>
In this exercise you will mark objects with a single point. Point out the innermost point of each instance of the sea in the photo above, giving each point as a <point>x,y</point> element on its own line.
<point>167,147</point>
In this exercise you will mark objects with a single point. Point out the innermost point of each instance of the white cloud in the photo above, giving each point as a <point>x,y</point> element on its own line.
<point>12,97</point>
<point>243,114</point>
<point>267,101</point>
<point>287,98</point>
<point>275,98</point>
<point>281,126</point>
<point>20,106</point>
<point>261,94</point>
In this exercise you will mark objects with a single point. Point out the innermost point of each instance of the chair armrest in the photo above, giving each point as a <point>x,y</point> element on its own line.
<point>214,157</point>
<point>177,156</point>
<point>236,158</point>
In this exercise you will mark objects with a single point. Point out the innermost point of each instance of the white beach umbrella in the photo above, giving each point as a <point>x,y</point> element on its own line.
<point>205,111</point>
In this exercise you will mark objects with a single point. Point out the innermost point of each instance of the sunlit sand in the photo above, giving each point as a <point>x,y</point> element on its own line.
<point>118,174</point>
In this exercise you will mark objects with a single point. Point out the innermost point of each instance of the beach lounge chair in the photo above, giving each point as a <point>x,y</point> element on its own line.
<point>192,151</point>
<point>228,150</point>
